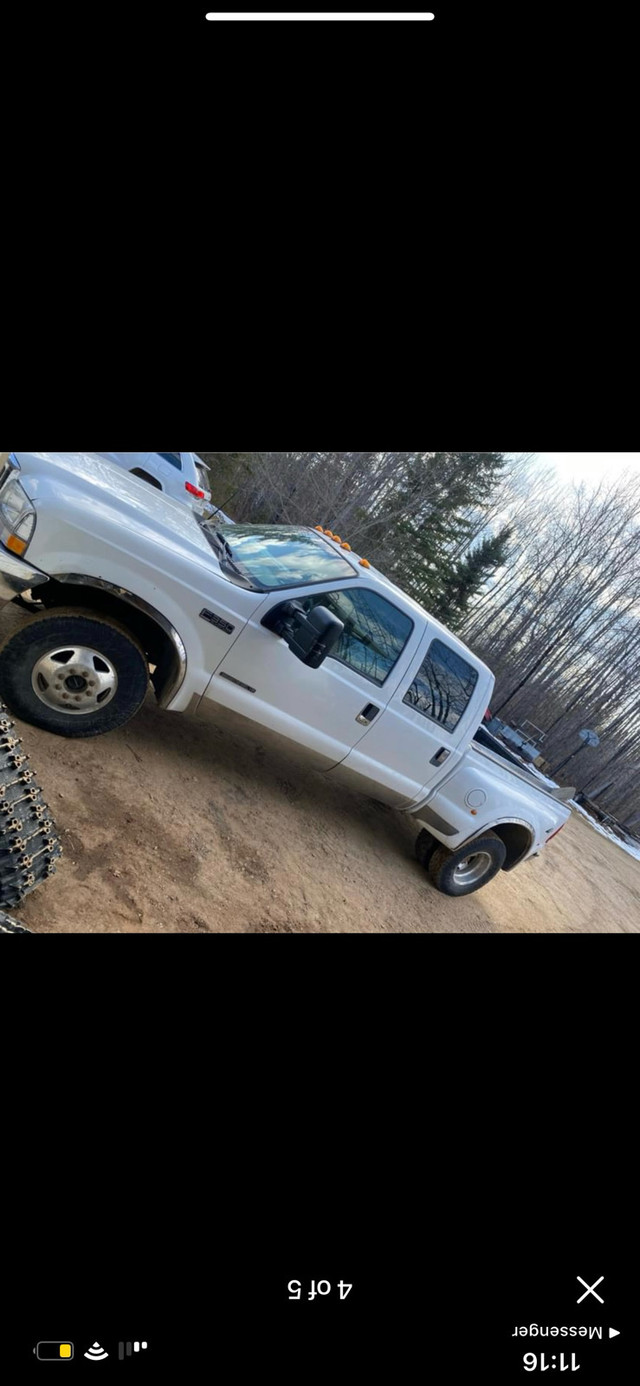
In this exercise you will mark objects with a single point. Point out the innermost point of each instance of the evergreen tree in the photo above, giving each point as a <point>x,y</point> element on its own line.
<point>467,579</point>
<point>440,491</point>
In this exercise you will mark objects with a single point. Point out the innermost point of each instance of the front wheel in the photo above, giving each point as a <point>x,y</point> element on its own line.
<point>470,867</point>
<point>73,673</point>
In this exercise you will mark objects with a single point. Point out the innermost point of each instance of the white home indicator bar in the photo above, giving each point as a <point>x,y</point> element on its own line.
<point>214,15</point>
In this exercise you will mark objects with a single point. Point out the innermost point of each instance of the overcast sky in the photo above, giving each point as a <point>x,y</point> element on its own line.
<point>591,466</point>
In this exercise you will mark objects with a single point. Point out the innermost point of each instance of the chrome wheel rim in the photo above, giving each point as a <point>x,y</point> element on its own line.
<point>472,869</point>
<point>75,679</point>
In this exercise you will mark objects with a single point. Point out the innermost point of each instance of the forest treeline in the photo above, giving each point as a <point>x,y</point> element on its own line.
<point>541,579</point>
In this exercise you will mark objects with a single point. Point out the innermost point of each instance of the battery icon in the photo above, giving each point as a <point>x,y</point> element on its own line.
<point>54,1352</point>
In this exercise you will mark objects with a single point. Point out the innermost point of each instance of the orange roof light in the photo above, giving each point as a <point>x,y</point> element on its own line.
<point>364,563</point>
<point>347,547</point>
<point>329,532</point>
<point>320,529</point>
<point>337,538</point>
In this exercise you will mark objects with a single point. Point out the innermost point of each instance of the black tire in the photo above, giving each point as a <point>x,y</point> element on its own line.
<point>54,630</point>
<point>425,847</point>
<point>444,865</point>
<point>29,846</point>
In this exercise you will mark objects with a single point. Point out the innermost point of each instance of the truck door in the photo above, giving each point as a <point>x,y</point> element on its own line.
<point>426,727</point>
<point>331,709</point>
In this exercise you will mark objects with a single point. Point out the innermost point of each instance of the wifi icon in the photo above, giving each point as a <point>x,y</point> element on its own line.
<point>96,1353</point>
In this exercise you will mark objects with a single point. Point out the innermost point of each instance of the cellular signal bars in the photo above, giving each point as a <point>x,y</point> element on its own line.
<point>128,1348</point>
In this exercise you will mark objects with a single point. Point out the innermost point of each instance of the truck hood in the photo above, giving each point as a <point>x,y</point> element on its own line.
<point>87,492</point>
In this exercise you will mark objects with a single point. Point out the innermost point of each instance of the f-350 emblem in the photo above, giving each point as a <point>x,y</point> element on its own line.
<point>217,621</point>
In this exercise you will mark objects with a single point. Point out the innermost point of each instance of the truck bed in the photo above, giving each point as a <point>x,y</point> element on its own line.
<point>508,762</point>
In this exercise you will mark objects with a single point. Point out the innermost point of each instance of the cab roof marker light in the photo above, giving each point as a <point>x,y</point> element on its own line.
<point>364,563</point>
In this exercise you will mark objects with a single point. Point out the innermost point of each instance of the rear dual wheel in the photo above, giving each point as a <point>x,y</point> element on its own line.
<point>463,871</point>
<point>425,847</point>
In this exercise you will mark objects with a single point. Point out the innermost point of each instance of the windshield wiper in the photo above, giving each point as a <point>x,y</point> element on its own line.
<point>229,560</point>
<point>229,565</point>
<point>225,555</point>
<point>225,542</point>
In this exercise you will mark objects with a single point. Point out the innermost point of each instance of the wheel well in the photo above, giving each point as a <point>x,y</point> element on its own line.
<point>517,839</point>
<point>157,645</point>
<point>144,476</point>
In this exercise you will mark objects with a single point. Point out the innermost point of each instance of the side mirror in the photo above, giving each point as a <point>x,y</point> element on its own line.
<point>311,636</point>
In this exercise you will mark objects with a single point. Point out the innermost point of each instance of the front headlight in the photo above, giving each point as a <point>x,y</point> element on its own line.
<point>17,518</point>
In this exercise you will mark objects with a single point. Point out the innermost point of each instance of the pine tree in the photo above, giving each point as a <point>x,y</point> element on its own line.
<point>430,517</point>
<point>469,577</point>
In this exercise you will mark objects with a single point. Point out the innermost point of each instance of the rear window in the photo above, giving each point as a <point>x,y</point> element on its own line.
<point>443,686</point>
<point>173,457</point>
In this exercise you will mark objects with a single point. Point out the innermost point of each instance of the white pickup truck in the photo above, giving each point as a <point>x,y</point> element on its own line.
<point>284,627</point>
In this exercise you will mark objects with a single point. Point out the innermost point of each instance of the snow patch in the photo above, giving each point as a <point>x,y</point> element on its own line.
<point>605,832</point>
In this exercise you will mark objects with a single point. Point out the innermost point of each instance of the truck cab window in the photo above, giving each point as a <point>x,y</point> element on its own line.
<point>375,631</point>
<point>443,686</point>
<point>173,457</point>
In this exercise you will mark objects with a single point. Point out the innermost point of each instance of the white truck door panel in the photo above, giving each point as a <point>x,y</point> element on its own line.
<point>406,750</point>
<point>317,708</point>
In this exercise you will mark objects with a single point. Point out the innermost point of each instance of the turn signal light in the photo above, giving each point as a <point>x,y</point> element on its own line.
<point>17,545</point>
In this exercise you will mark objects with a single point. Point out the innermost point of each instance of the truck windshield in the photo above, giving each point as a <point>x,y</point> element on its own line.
<point>273,556</point>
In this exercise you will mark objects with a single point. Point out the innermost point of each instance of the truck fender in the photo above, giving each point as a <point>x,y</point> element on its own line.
<point>173,676</point>
<point>517,834</point>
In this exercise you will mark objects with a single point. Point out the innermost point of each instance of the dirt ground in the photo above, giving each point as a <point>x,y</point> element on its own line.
<point>176,824</point>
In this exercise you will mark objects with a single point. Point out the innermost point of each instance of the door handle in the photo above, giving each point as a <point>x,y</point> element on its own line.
<point>440,756</point>
<point>365,718</point>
